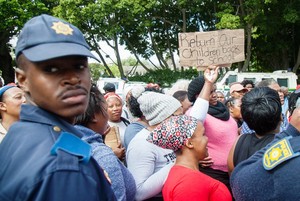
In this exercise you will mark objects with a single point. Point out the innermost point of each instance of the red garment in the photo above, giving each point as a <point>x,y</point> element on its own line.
<point>187,184</point>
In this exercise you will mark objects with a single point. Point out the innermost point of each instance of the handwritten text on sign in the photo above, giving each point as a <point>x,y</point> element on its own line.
<point>211,48</point>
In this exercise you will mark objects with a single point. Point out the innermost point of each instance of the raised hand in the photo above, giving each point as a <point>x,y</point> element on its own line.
<point>211,73</point>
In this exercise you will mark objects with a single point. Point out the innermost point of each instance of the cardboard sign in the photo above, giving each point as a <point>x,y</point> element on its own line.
<point>112,139</point>
<point>211,48</point>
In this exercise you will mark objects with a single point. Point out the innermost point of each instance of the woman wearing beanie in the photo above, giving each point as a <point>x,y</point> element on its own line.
<point>185,136</point>
<point>220,128</point>
<point>148,163</point>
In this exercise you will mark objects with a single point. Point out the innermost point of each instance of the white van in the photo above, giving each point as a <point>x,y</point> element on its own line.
<point>283,77</point>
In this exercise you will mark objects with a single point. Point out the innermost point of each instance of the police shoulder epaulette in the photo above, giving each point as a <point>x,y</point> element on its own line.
<point>280,152</point>
<point>73,145</point>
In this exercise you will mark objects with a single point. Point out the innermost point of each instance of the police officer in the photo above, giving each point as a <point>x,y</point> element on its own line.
<point>273,172</point>
<point>42,156</point>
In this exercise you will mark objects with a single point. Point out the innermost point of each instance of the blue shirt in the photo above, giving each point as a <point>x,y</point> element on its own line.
<point>122,181</point>
<point>28,171</point>
<point>131,130</point>
<point>251,181</point>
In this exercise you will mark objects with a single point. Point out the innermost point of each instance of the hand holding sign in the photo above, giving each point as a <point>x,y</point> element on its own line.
<point>211,73</point>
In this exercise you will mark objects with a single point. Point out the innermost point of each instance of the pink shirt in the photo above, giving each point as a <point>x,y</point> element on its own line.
<point>221,136</point>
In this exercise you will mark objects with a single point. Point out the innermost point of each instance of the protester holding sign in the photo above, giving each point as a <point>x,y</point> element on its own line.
<point>220,128</point>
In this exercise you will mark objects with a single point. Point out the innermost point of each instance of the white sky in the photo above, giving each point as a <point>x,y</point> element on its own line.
<point>108,50</point>
<point>125,54</point>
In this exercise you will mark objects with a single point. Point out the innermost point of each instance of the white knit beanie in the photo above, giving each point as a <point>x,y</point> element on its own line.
<point>157,107</point>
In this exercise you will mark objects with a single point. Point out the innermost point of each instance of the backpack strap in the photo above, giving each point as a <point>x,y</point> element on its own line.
<point>125,121</point>
<point>281,151</point>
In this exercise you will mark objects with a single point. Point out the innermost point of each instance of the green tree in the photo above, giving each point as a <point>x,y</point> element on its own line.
<point>101,21</point>
<point>271,30</point>
<point>146,28</point>
<point>14,14</point>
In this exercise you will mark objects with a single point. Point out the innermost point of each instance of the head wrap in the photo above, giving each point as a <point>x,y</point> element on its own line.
<point>173,132</point>
<point>112,95</point>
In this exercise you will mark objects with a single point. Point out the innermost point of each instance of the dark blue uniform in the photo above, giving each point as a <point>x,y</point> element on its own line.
<point>272,173</point>
<point>31,169</point>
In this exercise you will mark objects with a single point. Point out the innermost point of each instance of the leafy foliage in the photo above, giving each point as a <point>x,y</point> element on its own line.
<point>14,14</point>
<point>165,77</point>
<point>98,70</point>
<point>150,28</point>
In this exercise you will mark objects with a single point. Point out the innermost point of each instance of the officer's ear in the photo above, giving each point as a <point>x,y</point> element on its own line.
<point>22,79</point>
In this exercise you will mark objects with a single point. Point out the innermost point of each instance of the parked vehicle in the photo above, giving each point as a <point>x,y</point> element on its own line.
<point>283,77</point>
<point>120,84</point>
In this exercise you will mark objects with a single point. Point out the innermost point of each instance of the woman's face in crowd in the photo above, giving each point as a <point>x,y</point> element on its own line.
<point>249,87</point>
<point>277,88</point>
<point>213,99</point>
<point>12,100</point>
<point>235,109</point>
<point>114,109</point>
<point>199,140</point>
<point>220,96</point>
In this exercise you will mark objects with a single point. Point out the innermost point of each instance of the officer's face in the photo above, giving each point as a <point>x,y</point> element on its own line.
<point>60,85</point>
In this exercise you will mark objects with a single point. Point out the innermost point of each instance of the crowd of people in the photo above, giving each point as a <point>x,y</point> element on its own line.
<point>62,139</point>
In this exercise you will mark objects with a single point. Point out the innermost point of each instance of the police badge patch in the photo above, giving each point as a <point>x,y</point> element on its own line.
<point>278,153</point>
<point>62,28</point>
